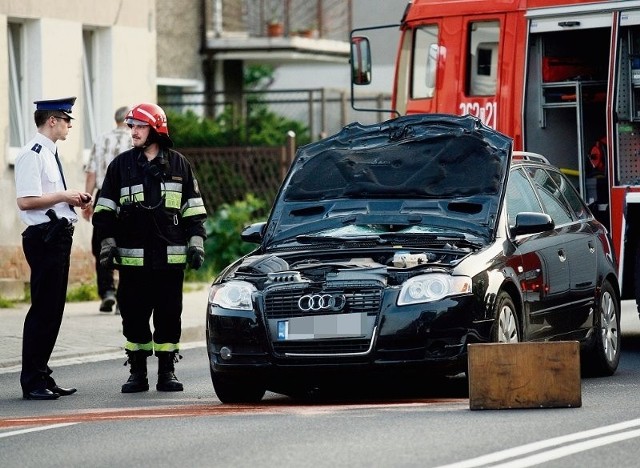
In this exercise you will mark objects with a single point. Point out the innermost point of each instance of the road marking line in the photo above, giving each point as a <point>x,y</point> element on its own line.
<point>34,429</point>
<point>543,444</point>
<point>569,450</point>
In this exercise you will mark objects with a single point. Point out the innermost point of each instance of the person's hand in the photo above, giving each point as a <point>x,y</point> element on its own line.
<point>195,252</point>
<point>87,212</point>
<point>108,252</point>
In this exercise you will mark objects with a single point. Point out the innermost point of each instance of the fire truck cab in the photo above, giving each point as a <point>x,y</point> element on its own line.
<point>561,77</point>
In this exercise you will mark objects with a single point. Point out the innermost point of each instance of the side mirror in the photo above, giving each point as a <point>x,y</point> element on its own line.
<point>360,60</point>
<point>531,223</point>
<point>253,233</point>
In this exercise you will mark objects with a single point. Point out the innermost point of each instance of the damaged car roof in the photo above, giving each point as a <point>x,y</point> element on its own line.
<point>448,169</point>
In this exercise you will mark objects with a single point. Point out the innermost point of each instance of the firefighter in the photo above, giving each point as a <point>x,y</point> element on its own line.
<point>150,219</point>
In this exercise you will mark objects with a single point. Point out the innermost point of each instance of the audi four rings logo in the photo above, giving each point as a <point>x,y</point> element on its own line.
<point>315,302</point>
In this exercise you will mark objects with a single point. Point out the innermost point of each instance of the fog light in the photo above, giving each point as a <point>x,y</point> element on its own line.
<point>225,353</point>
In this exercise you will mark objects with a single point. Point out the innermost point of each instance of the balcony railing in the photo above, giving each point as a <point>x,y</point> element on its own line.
<point>323,19</point>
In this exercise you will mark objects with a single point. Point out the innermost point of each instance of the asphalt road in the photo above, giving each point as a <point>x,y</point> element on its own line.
<point>101,427</point>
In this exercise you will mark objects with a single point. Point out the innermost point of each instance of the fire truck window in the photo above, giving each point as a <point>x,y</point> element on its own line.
<point>482,60</point>
<point>425,62</point>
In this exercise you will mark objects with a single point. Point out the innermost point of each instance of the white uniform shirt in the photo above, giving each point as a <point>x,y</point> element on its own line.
<point>37,173</point>
<point>105,149</point>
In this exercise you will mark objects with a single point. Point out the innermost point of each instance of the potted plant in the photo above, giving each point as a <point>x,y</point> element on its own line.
<point>275,27</point>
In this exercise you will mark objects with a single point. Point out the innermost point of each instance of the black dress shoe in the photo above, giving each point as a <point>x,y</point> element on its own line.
<point>63,391</point>
<point>40,394</point>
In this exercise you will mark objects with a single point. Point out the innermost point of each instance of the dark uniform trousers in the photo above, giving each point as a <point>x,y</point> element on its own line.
<point>48,255</point>
<point>145,291</point>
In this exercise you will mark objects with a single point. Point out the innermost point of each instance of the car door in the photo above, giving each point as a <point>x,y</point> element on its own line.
<point>544,274</point>
<point>573,255</point>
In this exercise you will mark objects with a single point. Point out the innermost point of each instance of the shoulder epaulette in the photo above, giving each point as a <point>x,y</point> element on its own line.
<point>36,148</point>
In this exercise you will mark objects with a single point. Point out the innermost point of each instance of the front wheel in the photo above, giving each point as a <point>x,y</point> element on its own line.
<point>236,390</point>
<point>602,357</point>
<point>505,328</point>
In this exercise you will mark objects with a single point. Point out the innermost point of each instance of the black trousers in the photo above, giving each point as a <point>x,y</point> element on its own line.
<point>143,292</point>
<point>104,276</point>
<point>48,257</point>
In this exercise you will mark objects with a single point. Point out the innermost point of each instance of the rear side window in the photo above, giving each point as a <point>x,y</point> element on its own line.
<point>482,58</point>
<point>425,62</point>
<point>551,196</point>
<point>570,194</point>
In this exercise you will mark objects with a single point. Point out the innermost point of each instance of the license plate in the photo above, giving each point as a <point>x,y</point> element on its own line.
<point>323,326</point>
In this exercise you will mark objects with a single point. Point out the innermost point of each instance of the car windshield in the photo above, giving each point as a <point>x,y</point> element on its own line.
<point>384,234</point>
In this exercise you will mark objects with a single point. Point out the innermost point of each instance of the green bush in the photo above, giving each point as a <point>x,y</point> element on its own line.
<point>223,244</point>
<point>82,292</point>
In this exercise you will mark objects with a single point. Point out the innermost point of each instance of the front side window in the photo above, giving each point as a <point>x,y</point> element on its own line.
<point>425,62</point>
<point>482,58</point>
<point>520,196</point>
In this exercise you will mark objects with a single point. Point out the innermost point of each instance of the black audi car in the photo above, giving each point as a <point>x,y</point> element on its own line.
<point>391,247</point>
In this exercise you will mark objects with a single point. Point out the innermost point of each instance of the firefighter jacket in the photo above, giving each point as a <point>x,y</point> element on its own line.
<point>151,208</point>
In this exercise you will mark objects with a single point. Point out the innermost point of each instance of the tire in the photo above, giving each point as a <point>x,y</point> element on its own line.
<point>236,390</point>
<point>506,327</point>
<point>601,358</point>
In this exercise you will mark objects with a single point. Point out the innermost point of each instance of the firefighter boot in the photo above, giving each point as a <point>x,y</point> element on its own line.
<point>167,381</point>
<point>138,379</point>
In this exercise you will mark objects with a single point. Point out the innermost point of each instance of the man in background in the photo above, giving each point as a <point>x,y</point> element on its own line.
<point>105,149</point>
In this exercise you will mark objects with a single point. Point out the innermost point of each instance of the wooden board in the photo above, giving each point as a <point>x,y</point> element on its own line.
<point>524,375</point>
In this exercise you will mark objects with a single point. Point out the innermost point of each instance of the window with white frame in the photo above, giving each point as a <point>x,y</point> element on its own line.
<point>17,91</point>
<point>90,88</point>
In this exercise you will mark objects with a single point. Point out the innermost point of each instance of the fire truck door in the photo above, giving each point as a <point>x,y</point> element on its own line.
<point>566,89</point>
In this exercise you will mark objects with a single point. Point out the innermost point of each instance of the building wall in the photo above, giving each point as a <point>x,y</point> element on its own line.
<point>179,39</point>
<point>124,73</point>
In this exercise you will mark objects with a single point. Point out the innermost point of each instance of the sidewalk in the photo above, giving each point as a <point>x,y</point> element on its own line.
<point>86,332</point>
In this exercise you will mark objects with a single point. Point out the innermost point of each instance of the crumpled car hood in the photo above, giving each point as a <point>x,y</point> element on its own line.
<point>434,170</point>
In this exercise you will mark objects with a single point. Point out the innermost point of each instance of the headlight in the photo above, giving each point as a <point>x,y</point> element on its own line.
<point>232,295</point>
<point>432,287</point>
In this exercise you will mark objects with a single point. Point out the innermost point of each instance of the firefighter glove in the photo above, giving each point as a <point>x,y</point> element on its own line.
<point>195,252</point>
<point>108,252</point>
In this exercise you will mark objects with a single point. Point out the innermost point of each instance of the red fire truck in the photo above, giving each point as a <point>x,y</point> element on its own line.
<point>561,77</point>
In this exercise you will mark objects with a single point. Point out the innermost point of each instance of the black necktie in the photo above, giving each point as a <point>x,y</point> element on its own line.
<point>64,182</point>
<point>60,169</point>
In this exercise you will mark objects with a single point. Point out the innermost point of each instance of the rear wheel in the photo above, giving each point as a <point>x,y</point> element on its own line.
<point>236,390</point>
<point>506,328</point>
<point>603,356</point>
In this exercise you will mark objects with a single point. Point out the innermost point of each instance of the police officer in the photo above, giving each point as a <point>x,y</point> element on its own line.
<point>150,219</point>
<point>47,207</point>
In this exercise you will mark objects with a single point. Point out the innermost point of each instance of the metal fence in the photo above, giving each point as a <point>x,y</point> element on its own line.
<point>324,111</point>
<point>226,175</point>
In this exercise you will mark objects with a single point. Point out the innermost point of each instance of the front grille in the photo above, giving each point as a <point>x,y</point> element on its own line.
<point>284,304</point>
<point>322,346</point>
